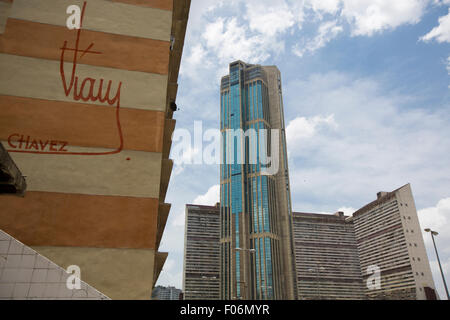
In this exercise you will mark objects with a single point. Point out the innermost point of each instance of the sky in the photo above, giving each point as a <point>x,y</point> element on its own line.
<point>366,91</point>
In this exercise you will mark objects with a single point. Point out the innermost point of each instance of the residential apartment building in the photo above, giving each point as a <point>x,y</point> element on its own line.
<point>166,293</point>
<point>86,115</point>
<point>389,237</point>
<point>326,257</point>
<point>201,269</point>
<point>257,255</point>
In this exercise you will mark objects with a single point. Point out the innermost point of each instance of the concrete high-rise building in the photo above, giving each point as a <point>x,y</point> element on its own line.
<point>326,257</point>
<point>257,255</point>
<point>86,114</point>
<point>389,237</point>
<point>166,293</point>
<point>201,253</point>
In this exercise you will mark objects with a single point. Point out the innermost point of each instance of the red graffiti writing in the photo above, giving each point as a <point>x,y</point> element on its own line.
<point>18,141</point>
<point>78,90</point>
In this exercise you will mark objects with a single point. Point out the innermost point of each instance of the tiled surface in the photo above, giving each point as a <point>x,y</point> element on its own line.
<point>25,274</point>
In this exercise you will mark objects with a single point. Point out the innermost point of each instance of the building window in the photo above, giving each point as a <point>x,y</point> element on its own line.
<point>418,259</point>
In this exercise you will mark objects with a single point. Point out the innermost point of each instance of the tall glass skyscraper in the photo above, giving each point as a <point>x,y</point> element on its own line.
<point>257,256</point>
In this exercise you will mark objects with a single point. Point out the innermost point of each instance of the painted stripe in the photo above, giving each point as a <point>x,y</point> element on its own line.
<point>4,13</point>
<point>41,79</point>
<point>159,4</point>
<point>58,219</point>
<point>111,175</point>
<point>100,15</point>
<point>78,125</point>
<point>40,40</point>
<point>117,273</point>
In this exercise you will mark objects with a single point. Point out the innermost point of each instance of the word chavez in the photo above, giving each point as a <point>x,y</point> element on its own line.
<point>18,141</point>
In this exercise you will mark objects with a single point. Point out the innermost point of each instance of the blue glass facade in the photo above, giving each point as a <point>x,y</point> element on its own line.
<point>248,207</point>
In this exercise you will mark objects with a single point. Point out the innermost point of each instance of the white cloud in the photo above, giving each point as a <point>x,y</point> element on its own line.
<point>252,30</point>
<point>303,128</point>
<point>170,274</point>
<point>437,218</point>
<point>348,211</point>
<point>229,41</point>
<point>325,6</point>
<point>269,19</point>
<point>179,219</point>
<point>371,16</point>
<point>211,197</point>
<point>437,277</point>
<point>379,144</point>
<point>441,33</point>
<point>326,32</point>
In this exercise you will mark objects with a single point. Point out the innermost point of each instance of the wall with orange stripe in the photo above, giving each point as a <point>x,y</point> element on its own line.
<point>101,187</point>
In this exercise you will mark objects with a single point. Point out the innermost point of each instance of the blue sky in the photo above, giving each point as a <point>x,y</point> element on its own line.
<point>366,97</point>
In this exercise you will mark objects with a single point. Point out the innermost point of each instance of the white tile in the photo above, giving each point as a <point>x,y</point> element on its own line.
<point>9,275</point>
<point>21,290</point>
<point>13,260</point>
<point>64,276</point>
<point>6,290</point>
<point>15,247</point>
<point>51,290</point>
<point>81,293</point>
<point>54,275</point>
<point>92,293</point>
<point>4,236</point>
<point>28,250</point>
<point>41,262</point>
<point>63,291</point>
<point>4,246</point>
<point>37,290</point>
<point>24,275</point>
<point>28,260</point>
<point>39,275</point>
<point>83,285</point>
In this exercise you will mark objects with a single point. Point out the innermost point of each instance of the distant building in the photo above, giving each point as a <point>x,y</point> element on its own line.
<point>166,293</point>
<point>336,256</point>
<point>201,270</point>
<point>389,236</point>
<point>326,257</point>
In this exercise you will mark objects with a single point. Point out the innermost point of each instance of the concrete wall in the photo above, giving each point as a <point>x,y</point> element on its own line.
<point>88,131</point>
